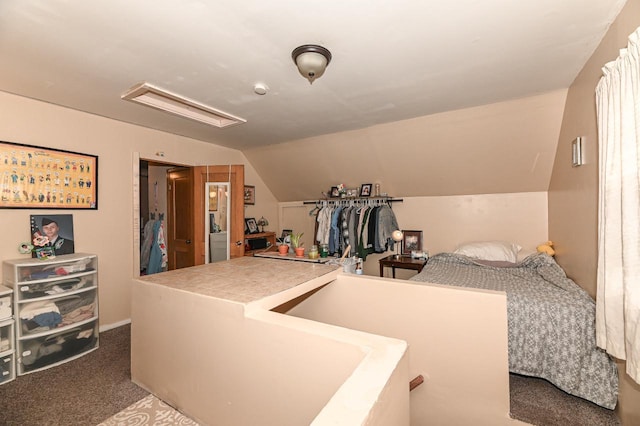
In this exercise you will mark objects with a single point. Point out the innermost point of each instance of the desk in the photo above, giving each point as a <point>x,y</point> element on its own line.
<point>269,236</point>
<point>404,262</point>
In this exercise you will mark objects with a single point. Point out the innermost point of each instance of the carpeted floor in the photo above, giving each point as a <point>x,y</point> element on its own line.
<point>97,386</point>
<point>538,402</point>
<point>82,392</point>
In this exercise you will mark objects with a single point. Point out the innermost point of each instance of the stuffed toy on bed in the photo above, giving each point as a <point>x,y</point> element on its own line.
<point>546,248</point>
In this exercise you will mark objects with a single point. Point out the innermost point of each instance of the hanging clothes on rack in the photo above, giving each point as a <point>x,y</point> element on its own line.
<point>324,224</point>
<point>364,224</point>
<point>387,223</point>
<point>334,233</point>
<point>147,240</point>
<point>153,250</point>
<point>158,256</point>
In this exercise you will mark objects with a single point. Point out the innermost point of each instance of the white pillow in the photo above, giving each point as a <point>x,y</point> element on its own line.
<point>490,250</point>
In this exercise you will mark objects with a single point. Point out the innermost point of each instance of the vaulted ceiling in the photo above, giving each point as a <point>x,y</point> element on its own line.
<point>392,60</point>
<point>425,97</point>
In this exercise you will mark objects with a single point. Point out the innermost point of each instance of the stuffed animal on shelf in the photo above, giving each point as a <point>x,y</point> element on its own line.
<point>546,248</point>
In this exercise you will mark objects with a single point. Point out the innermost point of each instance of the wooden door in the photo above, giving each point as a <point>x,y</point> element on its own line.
<point>180,218</point>
<point>234,174</point>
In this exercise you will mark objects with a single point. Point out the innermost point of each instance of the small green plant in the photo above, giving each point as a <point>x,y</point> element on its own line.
<point>296,239</point>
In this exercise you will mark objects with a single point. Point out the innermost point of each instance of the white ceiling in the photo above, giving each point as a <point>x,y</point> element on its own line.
<point>392,60</point>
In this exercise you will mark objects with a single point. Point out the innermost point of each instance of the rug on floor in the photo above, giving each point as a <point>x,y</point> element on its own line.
<point>149,411</point>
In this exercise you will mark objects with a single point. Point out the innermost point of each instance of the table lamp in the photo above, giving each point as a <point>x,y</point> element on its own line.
<point>262,222</point>
<point>397,236</point>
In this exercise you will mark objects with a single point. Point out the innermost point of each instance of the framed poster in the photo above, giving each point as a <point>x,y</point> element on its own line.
<point>33,177</point>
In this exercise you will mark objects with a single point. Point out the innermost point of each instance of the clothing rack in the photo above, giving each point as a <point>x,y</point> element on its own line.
<point>358,200</point>
<point>364,223</point>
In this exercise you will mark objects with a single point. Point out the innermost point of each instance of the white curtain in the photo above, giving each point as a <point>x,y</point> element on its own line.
<point>618,293</point>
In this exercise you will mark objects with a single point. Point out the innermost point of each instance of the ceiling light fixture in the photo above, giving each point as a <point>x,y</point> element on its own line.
<point>311,60</point>
<point>155,97</point>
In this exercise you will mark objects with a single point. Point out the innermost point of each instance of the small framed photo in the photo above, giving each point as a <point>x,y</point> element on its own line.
<point>285,234</point>
<point>412,241</point>
<point>251,226</point>
<point>365,190</point>
<point>249,194</point>
<point>334,192</point>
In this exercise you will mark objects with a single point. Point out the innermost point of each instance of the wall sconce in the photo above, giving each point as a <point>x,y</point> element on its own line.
<point>576,152</point>
<point>311,60</point>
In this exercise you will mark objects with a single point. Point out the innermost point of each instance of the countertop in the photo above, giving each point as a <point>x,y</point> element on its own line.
<point>242,280</point>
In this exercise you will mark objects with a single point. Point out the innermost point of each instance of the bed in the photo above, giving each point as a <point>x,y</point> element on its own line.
<point>551,321</point>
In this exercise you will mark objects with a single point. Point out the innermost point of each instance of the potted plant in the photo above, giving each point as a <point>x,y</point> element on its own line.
<point>297,244</point>
<point>283,248</point>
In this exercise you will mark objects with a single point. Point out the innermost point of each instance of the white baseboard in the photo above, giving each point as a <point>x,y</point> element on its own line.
<point>107,327</point>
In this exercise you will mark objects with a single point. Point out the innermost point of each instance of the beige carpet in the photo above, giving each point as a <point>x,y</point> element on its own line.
<point>149,411</point>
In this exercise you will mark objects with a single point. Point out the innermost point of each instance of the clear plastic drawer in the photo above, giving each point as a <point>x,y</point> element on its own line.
<point>6,336</point>
<point>44,351</point>
<point>5,307</point>
<point>7,369</point>
<point>44,315</point>
<point>55,287</point>
<point>19,271</point>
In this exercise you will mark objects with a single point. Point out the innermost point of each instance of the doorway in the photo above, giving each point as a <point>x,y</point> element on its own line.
<point>179,231</point>
<point>151,200</point>
<point>154,204</point>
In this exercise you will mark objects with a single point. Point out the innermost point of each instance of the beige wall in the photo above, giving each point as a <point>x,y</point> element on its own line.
<point>573,192</point>
<point>223,362</point>
<point>478,385</point>
<point>448,221</point>
<point>504,147</point>
<point>330,360</point>
<point>109,231</point>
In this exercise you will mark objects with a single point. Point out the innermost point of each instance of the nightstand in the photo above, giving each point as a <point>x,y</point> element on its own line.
<point>403,262</point>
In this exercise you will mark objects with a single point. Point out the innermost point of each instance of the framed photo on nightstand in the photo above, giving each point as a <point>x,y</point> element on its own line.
<point>412,241</point>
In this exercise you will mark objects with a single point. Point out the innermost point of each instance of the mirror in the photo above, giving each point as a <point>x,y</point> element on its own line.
<point>217,210</point>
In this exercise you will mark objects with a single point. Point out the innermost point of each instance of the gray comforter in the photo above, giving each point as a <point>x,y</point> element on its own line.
<point>551,322</point>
